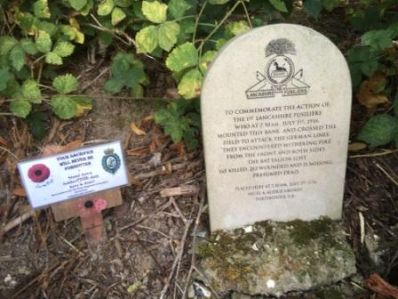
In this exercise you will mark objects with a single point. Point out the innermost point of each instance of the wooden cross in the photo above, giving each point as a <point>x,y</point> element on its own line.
<point>89,209</point>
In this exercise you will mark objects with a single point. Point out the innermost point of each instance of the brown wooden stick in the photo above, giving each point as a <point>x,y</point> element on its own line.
<point>381,287</point>
<point>181,190</point>
<point>17,221</point>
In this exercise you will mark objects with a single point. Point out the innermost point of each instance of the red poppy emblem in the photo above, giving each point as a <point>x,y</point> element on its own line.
<point>38,173</point>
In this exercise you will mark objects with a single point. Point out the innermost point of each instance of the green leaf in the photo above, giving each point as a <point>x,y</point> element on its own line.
<point>31,91</point>
<point>4,77</point>
<point>147,39</point>
<point>237,28</point>
<point>379,130</point>
<point>41,10</point>
<point>28,46</point>
<point>38,124</point>
<point>172,122</point>
<point>77,4</point>
<point>20,108</point>
<point>114,85</point>
<point>134,77</point>
<point>182,57</point>
<point>6,44</point>
<point>369,67</point>
<point>17,57</point>
<point>377,39</point>
<point>205,60</point>
<point>279,5</point>
<point>53,58</point>
<point>313,7</point>
<point>177,8</point>
<point>105,7</point>
<point>63,106</point>
<point>43,42</point>
<point>118,15</point>
<point>329,5</point>
<point>65,83</point>
<point>121,63</point>
<point>190,84</point>
<point>64,49</point>
<point>124,3</point>
<point>155,11</point>
<point>168,33</point>
<point>218,2</point>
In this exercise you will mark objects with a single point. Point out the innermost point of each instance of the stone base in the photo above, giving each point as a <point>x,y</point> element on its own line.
<point>272,258</point>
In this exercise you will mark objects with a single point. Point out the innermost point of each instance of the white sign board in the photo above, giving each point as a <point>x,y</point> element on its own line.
<point>68,175</point>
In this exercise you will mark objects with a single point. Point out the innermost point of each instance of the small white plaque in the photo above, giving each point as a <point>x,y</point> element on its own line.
<point>52,179</point>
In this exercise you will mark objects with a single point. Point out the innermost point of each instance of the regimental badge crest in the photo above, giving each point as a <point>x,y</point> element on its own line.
<point>111,161</point>
<point>280,75</point>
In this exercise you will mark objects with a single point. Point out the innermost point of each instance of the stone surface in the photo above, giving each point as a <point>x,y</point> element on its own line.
<point>275,258</point>
<point>275,112</point>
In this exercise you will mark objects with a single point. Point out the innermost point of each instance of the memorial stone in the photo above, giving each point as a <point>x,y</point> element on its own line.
<point>276,106</point>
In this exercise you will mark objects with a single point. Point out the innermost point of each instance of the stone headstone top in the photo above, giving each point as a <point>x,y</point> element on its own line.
<point>276,106</point>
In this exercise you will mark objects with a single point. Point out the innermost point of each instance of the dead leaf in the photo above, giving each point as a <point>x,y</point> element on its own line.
<point>56,149</point>
<point>356,146</point>
<point>179,148</point>
<point>137,130</point>
<point>19,191</point>
<point>381,287</point>
<point>370,93</point>
<point>3,142</point>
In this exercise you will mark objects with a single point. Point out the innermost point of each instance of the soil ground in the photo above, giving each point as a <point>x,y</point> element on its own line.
<point>148,251</point>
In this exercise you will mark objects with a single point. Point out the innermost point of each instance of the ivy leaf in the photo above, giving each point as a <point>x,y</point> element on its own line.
<point>168,33</point>
<point>379,130</point>
<point>182,57</point>
<point>63,106</point>
<point>77,4</point>
<point>43,42</point>
<point>65,83</point>
<point>6,44</point>
<point>279,5</point>
<point>147,39</point>
<point>154,11</point>
<point>114,85</point>
<point>17,57</point>
<point>53,58</point>
<point>177,8</point>
<point>4,77</point>
<point>28,46</point>
<point>41,10</point>
<point>377,39</point>
<point>313,7</point>
<point>134,77</point>
<point>31,91</point>
<point>190,84</point>
<point>218,2</point>
<point>105,7</point>
<point>64,49</point>
<point>20,108</point>
<point>118,15</point>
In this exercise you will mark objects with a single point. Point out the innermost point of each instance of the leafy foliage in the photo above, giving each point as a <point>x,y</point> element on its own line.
<point>181,121</point>
<point>183,36</point>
